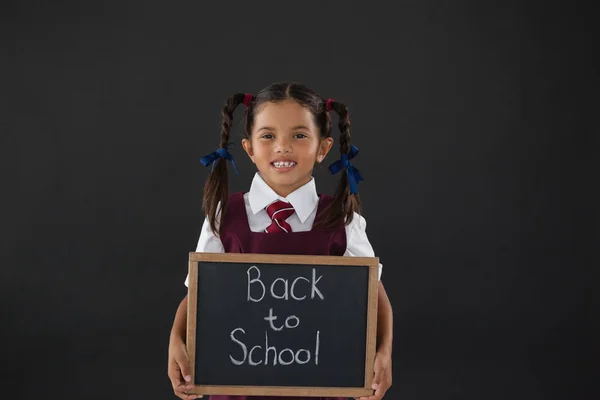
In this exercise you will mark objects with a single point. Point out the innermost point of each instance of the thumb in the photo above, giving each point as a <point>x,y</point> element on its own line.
<point>184,365</point>
<point>378,370</point>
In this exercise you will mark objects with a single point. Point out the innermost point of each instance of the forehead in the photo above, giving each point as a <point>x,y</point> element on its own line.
<point>282,115</point>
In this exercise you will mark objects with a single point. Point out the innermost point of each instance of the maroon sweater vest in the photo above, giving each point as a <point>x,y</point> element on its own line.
<point>237,237</point>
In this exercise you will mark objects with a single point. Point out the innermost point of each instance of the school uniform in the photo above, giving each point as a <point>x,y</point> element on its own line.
<point>243,231</point>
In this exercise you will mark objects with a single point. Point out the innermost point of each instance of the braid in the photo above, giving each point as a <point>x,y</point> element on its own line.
<point>344,127</point>
<point>341,210</point>
<point>216,188</point>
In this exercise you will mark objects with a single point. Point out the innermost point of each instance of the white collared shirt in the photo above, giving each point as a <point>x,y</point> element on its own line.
<point>305,202</point>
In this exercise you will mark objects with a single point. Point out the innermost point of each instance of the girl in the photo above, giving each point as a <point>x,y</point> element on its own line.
<point>287,131</point>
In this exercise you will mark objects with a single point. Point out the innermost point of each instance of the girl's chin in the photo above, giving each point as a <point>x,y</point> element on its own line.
<point>284,181</point>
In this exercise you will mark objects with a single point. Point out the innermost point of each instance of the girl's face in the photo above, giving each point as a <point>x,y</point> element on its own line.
<point>285,144</point>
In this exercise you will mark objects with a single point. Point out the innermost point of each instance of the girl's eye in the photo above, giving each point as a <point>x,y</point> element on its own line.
<point>301,135</point>
<point>267,136</point>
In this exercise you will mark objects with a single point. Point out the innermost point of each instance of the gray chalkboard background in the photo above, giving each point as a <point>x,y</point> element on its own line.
<point>476,120</point>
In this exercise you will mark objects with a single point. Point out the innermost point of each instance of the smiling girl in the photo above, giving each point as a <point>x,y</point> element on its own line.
<point>287,131</point>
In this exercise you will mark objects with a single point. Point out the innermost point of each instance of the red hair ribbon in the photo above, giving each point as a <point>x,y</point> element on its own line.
<point>328,104</point>
<point>247,99</point>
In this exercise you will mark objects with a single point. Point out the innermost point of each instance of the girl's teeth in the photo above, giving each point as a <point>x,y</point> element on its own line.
<point>284,164</point>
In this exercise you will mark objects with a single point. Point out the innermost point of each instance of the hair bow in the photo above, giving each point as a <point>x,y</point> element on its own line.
<point>344,163</point>
<point>212,158</point>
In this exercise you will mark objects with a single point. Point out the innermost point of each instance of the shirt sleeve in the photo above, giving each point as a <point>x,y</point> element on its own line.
<point>207,243</point>
<point>357,242</point>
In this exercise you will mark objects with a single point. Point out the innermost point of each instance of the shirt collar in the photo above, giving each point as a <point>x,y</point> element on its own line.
<point>304,199</point>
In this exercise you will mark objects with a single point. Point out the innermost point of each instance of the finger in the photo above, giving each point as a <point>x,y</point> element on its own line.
<point>184,367</point>
<point>379,370</point>
<point>175,381</point>
<point>184,388</point>
<point>175,376</point>
<point>179,374</point>
<point>186,396</point>
<point>181,387</point>
<point>372,397</point>
<point>189,396</point>
<point>378,395</point>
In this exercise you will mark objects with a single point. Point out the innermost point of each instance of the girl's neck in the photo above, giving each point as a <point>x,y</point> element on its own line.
<point>284,190</point>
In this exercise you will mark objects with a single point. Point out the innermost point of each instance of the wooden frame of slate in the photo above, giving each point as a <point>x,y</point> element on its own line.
<point>282,325</point>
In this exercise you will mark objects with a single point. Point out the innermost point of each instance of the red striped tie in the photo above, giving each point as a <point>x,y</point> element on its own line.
<point>279,212</point>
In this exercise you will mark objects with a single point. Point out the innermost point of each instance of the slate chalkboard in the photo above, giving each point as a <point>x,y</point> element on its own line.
<point>282,324</point>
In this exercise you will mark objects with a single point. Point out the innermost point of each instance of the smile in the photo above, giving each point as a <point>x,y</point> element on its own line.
<point>283,164</point>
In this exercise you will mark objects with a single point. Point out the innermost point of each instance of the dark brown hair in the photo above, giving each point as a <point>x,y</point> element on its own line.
<point>216,190</point>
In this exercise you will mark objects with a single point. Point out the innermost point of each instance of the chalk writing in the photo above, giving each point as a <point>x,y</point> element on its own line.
<point>279,289</point>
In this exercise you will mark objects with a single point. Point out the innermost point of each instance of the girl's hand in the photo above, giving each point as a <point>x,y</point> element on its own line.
<point>179,370</point>
<point>383,376</point>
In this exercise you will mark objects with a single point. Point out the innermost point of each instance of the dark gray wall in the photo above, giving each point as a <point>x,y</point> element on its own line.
<point>472,120</point>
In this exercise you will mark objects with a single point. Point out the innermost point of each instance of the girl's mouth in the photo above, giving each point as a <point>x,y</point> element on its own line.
<point>283,164</point>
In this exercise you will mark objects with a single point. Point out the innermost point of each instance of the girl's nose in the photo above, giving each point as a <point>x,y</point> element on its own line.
<point>283,146</point>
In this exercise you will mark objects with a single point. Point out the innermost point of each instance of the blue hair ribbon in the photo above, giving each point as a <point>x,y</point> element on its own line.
<point>212,158</point>
<point>354,176</point>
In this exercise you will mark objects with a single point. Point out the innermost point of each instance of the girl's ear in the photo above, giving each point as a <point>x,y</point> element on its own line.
<point>247,145</point>
<point>324,148</point>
